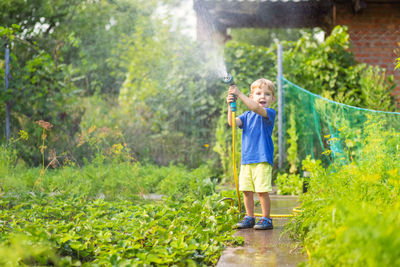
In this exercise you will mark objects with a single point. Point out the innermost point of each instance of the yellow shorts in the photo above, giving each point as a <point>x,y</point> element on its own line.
<point>256,177</point>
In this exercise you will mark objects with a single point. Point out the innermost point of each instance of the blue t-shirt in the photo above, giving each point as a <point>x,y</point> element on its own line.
<point>257,145</point>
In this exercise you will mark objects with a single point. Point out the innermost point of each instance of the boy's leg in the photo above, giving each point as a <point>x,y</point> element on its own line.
<point>249,203</point>
<point>265,204</point>
<point>265,222</point>
<point>246,186</point>
<point>249,220</point>
<point>263,182</point>
<point>263,185</point>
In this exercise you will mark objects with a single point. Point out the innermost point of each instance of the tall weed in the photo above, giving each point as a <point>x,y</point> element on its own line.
<point>351,211</point>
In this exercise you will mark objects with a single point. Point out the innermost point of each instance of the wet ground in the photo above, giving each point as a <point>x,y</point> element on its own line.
<point>268,247</point>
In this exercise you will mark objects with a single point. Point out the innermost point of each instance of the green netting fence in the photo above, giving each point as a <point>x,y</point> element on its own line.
<point>328,130</point>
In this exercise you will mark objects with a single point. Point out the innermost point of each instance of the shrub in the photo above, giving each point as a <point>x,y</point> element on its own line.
<point>350,209</point>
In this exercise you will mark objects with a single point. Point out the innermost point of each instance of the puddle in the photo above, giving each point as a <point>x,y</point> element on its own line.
<point>152,197</point>
<point>266,248</point>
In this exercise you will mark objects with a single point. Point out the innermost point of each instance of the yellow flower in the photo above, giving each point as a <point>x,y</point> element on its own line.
<point>206,145</point>
<point>372,178</point>
<point>91,129</point>
<point>23,135</point>
<point>393,173</point>
<point>327,152</point>
<point>42,149</point>
<point>116,149</point>
<point>395,182</point>
<point>349,143</point>
<point>334,139</point>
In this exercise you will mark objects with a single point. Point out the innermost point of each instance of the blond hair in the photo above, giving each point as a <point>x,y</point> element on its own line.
<point>263,83</point>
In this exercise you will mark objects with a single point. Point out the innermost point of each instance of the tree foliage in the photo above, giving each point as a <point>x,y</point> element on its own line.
<point>66,50</point>
<point>169,100</point>
<point>329,69</point>
<point>83,34</point>
<point>109,73</point>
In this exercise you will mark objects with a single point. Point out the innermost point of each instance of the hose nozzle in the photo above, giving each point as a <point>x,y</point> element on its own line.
<point>228,79</point>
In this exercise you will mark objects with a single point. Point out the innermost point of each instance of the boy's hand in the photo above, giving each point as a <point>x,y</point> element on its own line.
<point>233,90</point>
<point>231,98</point>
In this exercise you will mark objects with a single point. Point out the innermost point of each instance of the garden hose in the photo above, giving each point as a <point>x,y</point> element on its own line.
<point>228,79</point>
<point>295,210</point>
<point>233,157</point>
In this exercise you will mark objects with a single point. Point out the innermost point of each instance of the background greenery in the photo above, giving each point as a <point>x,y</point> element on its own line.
<point>351,208</point>
<point>117,72</point>
<point>136,107</point>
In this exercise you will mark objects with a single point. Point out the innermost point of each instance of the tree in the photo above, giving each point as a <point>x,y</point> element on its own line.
<point>65,49</point>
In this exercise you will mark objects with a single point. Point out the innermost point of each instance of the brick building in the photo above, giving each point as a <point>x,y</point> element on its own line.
<point>373,25</point>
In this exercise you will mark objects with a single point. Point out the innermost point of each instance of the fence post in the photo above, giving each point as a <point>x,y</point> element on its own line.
<point>7,73</point>
<point>280,108</point>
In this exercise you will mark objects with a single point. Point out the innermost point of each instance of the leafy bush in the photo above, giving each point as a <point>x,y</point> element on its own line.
<point>289,184</point>
<point>19,250</point>
<point>122,233</point>
<point>94,215</point>
<point>350,212</point>
<point>329,69</point>
<point>111,181</point>
<point>180,183</point>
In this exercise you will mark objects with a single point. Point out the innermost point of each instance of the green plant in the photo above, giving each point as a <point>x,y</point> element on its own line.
<point>223,146</point>
<point>375,85</point>
<point>351,208</point>
<point>95,215</point>
<point>329,69</point>
<point>180,183</point>
<point>292,157</point>
<point>289,184</point>
<point>106,233</point>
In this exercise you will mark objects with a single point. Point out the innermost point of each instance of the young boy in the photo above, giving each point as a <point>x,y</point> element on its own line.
<point>257,149</point>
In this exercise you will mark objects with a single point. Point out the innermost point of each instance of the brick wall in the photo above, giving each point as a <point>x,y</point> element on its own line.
<point>374,34</point>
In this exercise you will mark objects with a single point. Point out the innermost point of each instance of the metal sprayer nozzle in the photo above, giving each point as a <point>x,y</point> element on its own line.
<point>228,79</point>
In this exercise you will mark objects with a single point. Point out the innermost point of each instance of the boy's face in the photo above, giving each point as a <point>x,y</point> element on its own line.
<point>262,96</point>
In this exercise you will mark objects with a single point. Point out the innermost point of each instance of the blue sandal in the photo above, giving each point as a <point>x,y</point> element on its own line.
<point>247,222</point>
<point>264,224</point>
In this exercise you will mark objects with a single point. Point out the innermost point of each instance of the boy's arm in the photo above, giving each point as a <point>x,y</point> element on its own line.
<point>251,104</point>
<point>238,122</point>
